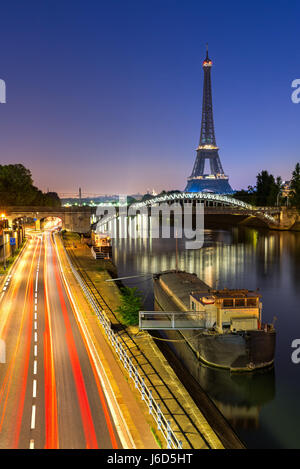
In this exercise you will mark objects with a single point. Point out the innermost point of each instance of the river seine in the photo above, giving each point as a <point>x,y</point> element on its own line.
<point>263,407</point>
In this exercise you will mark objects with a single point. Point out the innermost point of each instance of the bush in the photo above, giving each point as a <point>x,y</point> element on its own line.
<point>131,305</point>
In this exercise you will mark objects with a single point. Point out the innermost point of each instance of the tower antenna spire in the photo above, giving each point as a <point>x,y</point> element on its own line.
<point>207,51</point>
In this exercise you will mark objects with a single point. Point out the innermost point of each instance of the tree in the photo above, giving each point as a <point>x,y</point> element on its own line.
<point>52,199</point>
<point>295,186</point>
<point>146,197</point>
<point>267,189</point>
<point>248,196</point>
<point>16,188</point>
<point>131,305</point>
<point>265,193</point>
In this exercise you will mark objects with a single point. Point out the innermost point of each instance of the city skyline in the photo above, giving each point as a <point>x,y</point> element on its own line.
<point>123,83</point>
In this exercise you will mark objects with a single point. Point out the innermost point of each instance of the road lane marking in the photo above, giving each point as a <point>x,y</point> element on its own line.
<point>32,426</point>
<point>27,328</point>
<point>34,383</point>
<point>34,389</point>
<point>51,418</point>
<point>117,414</point>
<point>80,384</point>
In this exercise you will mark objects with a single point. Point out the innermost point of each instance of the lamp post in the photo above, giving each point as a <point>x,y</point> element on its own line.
<point>3,218</point>
<point>4,257</point>
<point>278,195</point>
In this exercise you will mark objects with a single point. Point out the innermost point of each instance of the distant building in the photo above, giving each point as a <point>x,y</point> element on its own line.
<point>101,245</point>
<point>286,189</point>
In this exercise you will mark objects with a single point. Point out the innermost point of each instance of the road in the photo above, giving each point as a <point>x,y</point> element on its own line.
<point>50,393</point>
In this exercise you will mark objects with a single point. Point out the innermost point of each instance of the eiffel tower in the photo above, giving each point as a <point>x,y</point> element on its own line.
<point>216,181</point>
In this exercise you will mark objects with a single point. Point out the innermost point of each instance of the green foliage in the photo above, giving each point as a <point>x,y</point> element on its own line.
<point>16,188</point>
<point>131,200</point>
<point>267,189</point>
<point>131,304</point>
<point>295,187</point>
<point>265,193</point>
<point>156,437</point>
<point>247,196</point>
<point>11,260</point>
<point>146,197</point>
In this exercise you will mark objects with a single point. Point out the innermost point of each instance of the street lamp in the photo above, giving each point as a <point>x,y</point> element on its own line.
<point>277,203</point>
<point>3,218</point>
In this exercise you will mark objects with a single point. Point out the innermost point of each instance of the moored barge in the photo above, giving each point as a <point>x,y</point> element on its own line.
<point>234,336</point>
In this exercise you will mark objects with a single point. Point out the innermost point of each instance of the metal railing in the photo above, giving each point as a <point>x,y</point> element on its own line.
<point>163,425</point>
<point>170,320</point>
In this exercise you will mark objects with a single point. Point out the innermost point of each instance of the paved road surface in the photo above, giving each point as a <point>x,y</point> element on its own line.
<point>50,394</point>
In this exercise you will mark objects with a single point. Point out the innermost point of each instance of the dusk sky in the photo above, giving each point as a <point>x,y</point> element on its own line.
<point>107,95</point>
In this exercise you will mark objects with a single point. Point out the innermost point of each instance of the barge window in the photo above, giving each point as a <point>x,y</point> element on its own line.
<point>251,302</point>
<point>227,303</point>
<point>240,302</point>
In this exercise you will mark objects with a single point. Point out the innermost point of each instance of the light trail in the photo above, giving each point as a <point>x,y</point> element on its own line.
<point>50,391</point>
<point>51,422</point>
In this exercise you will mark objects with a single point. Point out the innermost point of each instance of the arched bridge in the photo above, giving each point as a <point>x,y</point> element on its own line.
<point>73,218</point>
<point>214,204</point>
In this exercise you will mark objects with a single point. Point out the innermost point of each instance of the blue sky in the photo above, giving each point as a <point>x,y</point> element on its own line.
<point>107,95</point>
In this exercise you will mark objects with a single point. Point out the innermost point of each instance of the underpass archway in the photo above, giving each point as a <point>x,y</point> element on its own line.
<point>51,223</point>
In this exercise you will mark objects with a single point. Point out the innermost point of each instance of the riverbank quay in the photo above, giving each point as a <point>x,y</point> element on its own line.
<point>186,419</point>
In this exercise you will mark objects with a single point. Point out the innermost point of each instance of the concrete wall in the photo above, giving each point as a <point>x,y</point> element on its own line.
<point>9,250</point>
<point>290,218</point>
<point>76,219</point>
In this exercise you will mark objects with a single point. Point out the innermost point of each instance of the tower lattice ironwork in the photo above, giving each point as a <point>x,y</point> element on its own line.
<point>207,150</point>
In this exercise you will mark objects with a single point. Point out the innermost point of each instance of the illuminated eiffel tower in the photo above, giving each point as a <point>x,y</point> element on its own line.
<point>216,181</point>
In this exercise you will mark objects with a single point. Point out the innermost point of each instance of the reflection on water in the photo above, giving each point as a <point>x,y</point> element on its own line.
<point>239,258</point>
<point>239,397</point>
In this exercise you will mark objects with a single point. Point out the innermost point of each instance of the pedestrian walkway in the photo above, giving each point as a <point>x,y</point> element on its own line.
<point>187,421</point>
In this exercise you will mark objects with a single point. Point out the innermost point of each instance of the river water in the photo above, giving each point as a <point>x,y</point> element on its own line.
<point>263,407</point>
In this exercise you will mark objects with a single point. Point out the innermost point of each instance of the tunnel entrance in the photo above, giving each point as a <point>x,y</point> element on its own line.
<point>51,223</point>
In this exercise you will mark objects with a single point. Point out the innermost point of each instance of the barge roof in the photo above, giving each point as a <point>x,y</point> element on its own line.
<point>227,294</point>
<point>181,284</point>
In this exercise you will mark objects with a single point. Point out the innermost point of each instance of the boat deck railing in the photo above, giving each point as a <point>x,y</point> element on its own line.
<point>173,320</point>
